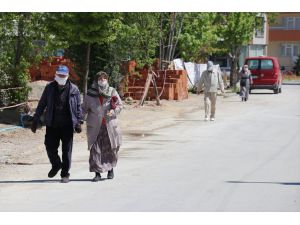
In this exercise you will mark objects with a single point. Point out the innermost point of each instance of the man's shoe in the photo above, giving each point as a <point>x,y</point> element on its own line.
<point>97,177</point>
<point>53,171</point>
<point>110,174</point>
<point>65,179</point>
<point>206,119</point>
<point>212,119</point>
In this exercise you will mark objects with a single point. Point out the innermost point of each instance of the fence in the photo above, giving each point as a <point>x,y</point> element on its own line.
<point>12,97</point>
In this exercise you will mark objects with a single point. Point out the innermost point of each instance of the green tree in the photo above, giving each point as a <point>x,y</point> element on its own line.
<point>236,30</point>
<point>199,35</point>
<point>84,29</point>
<point>171,25</point>
<point>137,39</point>
<point>20,35</point>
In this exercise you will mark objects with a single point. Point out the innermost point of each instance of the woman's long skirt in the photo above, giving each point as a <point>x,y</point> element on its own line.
<point>102,157</point>
<point>244,92</point>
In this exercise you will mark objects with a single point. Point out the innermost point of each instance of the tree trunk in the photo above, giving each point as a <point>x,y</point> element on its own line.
<point>232,70</point>
<point>171,36</point>
<point>161,43</point>
<point>19,40</point>
<point>178,34</point>
<point>87,67</point>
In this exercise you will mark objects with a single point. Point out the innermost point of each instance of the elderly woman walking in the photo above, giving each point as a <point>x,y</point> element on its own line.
<point>102,104</point>
<point>245,81</point>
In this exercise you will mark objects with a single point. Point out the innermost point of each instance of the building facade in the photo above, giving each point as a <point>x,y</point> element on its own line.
<point>284,39</point>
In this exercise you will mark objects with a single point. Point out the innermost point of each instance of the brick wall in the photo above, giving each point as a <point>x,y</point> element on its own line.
<point>173,82</point>
<point>46,70</point>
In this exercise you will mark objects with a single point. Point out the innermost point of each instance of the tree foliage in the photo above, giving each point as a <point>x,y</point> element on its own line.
<point>19,49</point>
<point>236,30</point>
<point>198,37</point>
<point>84,29</point>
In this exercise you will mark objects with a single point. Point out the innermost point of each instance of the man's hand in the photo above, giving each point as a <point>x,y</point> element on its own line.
<point>78,128</point>
<point>33,126</point>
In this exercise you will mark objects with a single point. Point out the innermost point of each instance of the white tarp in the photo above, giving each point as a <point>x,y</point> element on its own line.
<point>191,71</point>
<point>178,64</point>
<point>194,70</point>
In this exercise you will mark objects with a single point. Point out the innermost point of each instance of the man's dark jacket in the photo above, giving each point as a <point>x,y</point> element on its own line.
<point>47,101</point>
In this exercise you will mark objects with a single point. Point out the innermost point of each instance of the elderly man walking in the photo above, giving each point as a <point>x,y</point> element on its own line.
<point>210,79</point>
<point>61,99</point>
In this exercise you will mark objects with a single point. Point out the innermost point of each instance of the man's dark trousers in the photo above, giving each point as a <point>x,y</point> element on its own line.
<point>52,141</point>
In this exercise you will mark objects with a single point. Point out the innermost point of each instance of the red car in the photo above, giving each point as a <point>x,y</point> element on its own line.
<point>266,73</point>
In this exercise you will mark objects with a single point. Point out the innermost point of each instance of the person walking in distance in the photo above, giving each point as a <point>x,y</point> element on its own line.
<point>102,104</point>
<point>61,99</point>
<point>245,79</point>
<point>210,79</point>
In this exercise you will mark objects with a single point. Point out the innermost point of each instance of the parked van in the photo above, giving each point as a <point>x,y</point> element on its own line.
<point>266,73</point>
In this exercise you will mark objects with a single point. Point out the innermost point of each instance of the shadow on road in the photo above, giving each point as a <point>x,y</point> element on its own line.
<point>44,181</point>
<point>262,93</point>
<point>262,182</point>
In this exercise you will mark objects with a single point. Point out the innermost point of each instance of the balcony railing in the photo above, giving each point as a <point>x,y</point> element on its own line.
<point>284,28</point>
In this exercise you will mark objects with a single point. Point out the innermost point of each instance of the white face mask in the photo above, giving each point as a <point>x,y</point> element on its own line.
<point>61,81</point>
<point>102,83</point>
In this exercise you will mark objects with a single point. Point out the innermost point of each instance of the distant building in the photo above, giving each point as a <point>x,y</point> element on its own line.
<point>284,39</point>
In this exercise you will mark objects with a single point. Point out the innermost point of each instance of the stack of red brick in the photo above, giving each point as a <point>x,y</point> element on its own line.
<point>173,82</point>
<point>46,69</point>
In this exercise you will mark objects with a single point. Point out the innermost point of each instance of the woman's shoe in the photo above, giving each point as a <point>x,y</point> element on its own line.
<point>97,177</point>
<point>110,174</point>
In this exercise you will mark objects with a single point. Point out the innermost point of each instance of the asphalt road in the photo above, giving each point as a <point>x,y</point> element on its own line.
<point>248,159</point>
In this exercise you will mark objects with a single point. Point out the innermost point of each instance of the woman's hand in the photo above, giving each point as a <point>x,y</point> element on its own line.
<point>110,113</point>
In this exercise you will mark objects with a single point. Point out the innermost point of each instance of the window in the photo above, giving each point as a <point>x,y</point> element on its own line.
<point>297,23</point>
<point>253,64</point>
<point>296,50</point>
<point>290,50</point>
<point>266,64</point>
<point>291,23</point>
<point>260,23</point>
<point>256,50</point>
